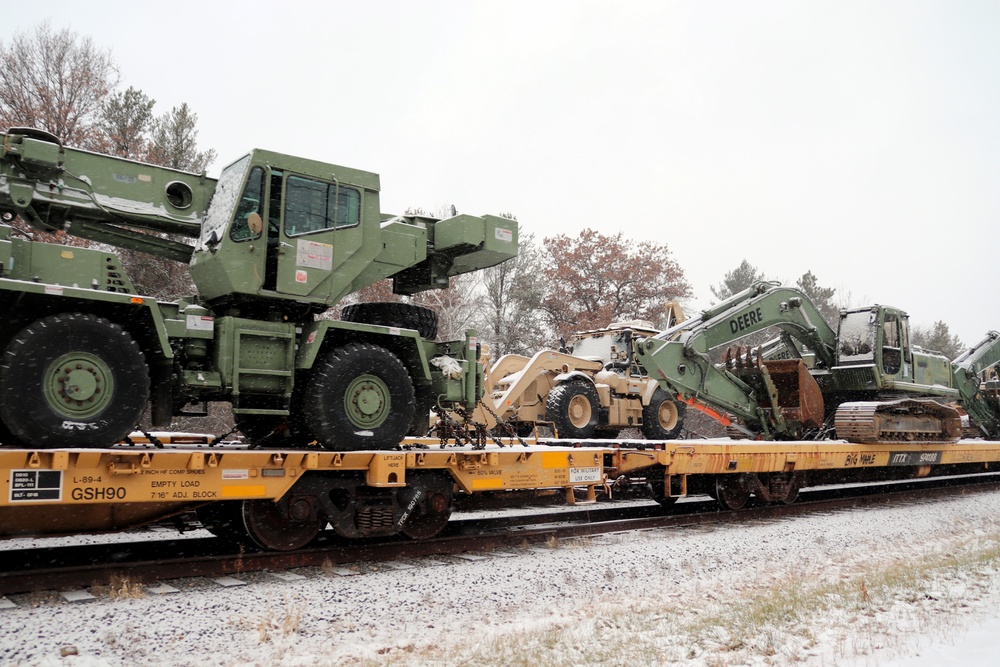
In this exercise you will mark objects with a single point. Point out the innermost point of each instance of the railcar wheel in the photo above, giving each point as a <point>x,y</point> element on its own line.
<point>732,491</point>
<point>663,418</point>
<point>573,408</point>
<point>794,485</point>
<point>428,508</point>
<point>280,526</point>
<point>72,380</point>
<point>223,519</point>
<point>359,397</point>
<point>658,488</point>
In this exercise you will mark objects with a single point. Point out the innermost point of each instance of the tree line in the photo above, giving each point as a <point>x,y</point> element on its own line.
<point>61,82</point>
<point>936,338</point>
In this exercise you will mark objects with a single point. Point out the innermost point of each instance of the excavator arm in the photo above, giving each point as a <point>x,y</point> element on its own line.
<point>982,404</point>
<point>679,359</point>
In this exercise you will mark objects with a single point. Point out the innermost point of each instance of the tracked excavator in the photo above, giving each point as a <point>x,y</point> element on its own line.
<point>864,382</point>
<point>271,246</point>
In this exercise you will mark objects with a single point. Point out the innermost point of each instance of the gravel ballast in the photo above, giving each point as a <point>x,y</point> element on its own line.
<point>870,586</point>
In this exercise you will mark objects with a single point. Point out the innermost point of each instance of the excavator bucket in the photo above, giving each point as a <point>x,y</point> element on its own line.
<point>799,395</point>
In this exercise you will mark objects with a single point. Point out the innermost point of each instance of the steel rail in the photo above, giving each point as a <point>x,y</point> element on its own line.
<point>30,570</point>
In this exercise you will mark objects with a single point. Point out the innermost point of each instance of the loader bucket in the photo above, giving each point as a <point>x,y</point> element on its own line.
<point>799,395</point>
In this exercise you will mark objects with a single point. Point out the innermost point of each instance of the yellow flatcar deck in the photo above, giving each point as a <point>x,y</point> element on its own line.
<point>86,490</point>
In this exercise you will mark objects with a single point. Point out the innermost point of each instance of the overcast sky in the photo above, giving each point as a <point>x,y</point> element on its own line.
<point>858,140</point>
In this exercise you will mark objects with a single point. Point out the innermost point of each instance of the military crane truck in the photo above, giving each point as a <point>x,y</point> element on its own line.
<point>864,382</point>
<point>271,245</point>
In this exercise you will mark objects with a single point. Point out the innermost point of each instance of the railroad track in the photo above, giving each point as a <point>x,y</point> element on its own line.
<point>62,568</point>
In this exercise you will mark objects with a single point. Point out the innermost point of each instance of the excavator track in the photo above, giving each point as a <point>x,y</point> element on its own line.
<point>904,420</point>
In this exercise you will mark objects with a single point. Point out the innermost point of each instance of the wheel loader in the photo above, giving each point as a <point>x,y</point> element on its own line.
<point>592,387</point>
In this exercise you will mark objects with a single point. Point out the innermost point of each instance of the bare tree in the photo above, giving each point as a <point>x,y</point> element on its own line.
<point>510,314</point>
<point>456,306</point>
<point>55,81</point>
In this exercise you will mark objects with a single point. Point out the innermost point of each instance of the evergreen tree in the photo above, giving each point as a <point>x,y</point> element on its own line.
<point>737,280</point>
<point>125,123</point>
<point>175,141</point>
<point>937,339</point>
<point>822,297</point>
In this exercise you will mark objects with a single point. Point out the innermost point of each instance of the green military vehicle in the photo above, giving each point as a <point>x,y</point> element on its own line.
<point>863,382</point>
<point>271,244</point>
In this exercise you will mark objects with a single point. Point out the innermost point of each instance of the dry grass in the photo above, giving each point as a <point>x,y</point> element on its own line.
<point>273,623</point>
<point>120,587</point>
<point>783,621</point>
<point>284,624</point>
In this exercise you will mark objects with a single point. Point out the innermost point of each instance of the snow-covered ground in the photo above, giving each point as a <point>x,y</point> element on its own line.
<point>901,586</point>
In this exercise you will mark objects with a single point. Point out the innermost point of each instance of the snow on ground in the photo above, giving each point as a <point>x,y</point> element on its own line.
<point>896,586</point>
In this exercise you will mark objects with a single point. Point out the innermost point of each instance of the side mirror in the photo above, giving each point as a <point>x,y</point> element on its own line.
<point>255,223</point>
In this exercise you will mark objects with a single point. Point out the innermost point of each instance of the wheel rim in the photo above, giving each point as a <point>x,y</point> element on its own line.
<point>425,526</point>
<point>732,491</point>
<point>367,402</point>
<point>79,385</point>
<point>428,511</point>
<point>667,414</point>
<point>269,528</point>
<point>579,411</point>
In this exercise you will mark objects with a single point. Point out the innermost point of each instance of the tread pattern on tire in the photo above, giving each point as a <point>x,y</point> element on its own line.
<point>323,400</point>
<point>557,409</point>
<point>26,358</point>
<point>393,314</point>
<point>651,428</point>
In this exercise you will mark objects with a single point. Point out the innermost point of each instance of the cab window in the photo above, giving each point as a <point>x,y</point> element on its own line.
<point>251,202</point>
<point>892,356</point>
<point>313,206</point>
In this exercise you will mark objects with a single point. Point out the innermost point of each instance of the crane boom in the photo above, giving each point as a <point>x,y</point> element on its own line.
<point>101,197</point>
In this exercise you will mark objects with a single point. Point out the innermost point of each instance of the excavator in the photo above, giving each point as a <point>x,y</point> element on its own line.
<point>864,382</point>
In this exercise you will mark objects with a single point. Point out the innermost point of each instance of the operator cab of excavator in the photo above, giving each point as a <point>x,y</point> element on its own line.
<point>877,336</point>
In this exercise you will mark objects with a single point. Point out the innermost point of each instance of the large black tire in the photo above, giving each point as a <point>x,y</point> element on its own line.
<point>72,380</point>
<point>393,314</point>
<point>573,408</point>
<point>6,436</point>
<point>359,397</point>
<point>663,418</point>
